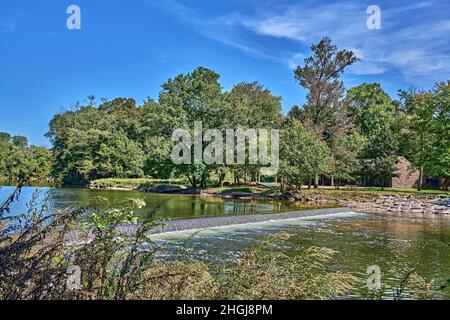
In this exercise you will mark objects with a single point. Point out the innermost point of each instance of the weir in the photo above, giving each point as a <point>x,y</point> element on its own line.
<point>213,222</point>
<point>74,237</point>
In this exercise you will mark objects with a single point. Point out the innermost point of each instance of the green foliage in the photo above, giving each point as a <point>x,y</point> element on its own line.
<point>371,107</point>
<point>196,96</point>
<point>345,150</point>
<point>303,154</point>
<point>325,111</point>
<point>118,139</point>
<point>93,142</point>
<point>427,128</point>
<point>19,159</point>
<point>135,183</point>
<point>251,106</point>
<point>380,156</point>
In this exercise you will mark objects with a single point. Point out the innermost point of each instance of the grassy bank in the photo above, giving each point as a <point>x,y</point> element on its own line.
<point>135,183</point>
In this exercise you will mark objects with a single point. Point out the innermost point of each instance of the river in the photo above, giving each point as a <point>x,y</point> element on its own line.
<point>395,244</point>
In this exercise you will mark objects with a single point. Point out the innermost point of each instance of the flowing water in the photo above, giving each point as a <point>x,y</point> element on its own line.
<point>395,244</point>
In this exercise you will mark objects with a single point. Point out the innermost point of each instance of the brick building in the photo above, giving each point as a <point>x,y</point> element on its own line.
<point>406,175</point>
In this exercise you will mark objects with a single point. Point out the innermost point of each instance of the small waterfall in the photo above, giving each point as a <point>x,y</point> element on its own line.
<point>212,222</point>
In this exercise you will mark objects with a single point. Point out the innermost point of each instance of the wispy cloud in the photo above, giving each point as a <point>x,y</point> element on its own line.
<point>413,40</point>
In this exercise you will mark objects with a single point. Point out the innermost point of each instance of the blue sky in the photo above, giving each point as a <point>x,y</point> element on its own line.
<point>128,48</point>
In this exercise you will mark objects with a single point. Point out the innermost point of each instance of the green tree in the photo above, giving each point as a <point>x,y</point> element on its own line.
<point>39,162</point>
<point>195,96</point>
<point>119,157</point>
<point>381,156</point>
<point>82,138</point>
<point>427,129</point>
<point>371,107</point>
<point>19,159</point>
<point>249,105</point>
<point>156,126</point>
<point>325,111</point>
<point>345,150</point>
<point>302,154</point>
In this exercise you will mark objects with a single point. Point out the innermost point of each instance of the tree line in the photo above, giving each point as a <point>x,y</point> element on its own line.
<point>20,159</point>
<point>339,134</point>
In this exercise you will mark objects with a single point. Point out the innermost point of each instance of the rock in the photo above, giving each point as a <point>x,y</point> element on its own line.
<point>164,188</point>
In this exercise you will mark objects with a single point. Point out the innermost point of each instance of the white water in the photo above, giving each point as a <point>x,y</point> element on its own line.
<point>254,226</point>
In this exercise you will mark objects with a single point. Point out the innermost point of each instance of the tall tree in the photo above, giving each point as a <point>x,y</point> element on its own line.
<point>196,96</point>
<point>19,159</point>
<point>249,105</point>
<point>325,112</point>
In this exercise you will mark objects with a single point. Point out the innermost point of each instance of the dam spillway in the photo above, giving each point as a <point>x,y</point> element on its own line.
<point>214,222</point>
<point>74,237</point>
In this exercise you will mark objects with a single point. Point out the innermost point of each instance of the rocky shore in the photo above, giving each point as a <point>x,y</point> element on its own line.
<point>437,204</point>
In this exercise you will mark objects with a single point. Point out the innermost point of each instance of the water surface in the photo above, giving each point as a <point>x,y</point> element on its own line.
<point>162,206</point>
<point>395,244</point>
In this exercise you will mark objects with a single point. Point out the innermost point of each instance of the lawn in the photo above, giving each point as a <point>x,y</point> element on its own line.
<point>136,183</point>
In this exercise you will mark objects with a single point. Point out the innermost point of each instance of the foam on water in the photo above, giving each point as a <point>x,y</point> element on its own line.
<point>252,227</point>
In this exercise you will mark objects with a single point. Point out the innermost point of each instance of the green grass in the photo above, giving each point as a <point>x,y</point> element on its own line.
<point>232,189</point>
<point>136,183</point>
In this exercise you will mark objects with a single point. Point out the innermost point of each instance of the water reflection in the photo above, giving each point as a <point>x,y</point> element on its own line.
<point>160,205</point>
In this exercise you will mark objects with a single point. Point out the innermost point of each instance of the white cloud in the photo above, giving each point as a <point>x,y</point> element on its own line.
<point>379,50</point>
<point>366,68</point>
<point>413,39</point>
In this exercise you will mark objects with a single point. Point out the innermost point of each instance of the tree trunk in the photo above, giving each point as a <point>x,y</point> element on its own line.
<point>221,179</point>
<point>419,186</point>
<point>309,183</point>
<point>332,181</point>
<point>316,181</point>
<point>193,182</point>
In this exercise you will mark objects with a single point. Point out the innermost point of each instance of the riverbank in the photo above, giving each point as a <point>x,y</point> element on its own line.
<point>358,199</point>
